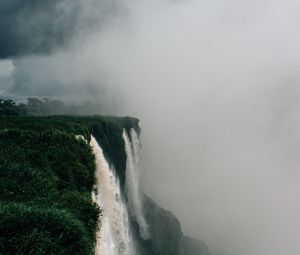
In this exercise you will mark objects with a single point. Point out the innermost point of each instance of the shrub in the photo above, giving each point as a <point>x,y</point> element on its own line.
<point>36,230</point>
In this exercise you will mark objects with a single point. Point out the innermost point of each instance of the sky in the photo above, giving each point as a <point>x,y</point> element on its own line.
<point>215,85</point>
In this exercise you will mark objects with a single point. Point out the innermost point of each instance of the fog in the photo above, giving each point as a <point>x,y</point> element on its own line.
<point>215,86</point>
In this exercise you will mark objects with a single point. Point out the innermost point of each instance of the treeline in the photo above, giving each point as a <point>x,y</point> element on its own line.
<point>10,108</point>
<point>45,107</point>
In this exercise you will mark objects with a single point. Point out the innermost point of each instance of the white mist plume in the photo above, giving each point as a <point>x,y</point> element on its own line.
<point>215,86</point>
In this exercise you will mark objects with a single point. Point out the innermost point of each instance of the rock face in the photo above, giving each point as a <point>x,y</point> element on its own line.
<point>47,175</point>
<point>167,237</point>
<point>190,246</point>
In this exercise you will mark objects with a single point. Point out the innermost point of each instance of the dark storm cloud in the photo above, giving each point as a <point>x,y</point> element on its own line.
<point>43,42</point>
<point>36,26</point>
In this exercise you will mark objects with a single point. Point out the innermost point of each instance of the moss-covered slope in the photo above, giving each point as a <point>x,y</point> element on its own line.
<point>46,179</point>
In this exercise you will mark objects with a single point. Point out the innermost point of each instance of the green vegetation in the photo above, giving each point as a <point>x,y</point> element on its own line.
<point>46,180</point>
<point>10,108</point>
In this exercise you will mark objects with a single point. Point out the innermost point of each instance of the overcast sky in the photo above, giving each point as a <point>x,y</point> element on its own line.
<point>216,86</point>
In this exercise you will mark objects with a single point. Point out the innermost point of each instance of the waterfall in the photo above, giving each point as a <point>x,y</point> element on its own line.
<point>133,170</point>
<point>114,237</point>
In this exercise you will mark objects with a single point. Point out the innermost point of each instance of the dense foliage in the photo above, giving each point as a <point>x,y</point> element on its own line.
<point>46,180</point>
<point>10,108</point>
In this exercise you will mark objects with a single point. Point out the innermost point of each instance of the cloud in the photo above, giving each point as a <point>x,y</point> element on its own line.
<point>216,86</point>
<point>44,26</point>
<point>30,27</point>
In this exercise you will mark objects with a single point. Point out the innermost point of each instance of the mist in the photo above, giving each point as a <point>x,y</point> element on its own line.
<point>215,86</point>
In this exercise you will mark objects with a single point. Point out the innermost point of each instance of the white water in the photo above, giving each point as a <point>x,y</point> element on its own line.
<point>81,137</point>
<point>114,236</point>
<point>133,170</point>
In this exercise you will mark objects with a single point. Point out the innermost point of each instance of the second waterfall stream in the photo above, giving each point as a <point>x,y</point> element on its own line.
<point>114,236</point>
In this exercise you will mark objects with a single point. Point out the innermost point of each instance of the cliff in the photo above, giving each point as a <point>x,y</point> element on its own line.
<point>167,237</point>
<point>46,180</point>
<point>47,175</point>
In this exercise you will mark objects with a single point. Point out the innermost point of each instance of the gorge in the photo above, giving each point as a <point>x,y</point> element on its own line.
<point>72,184</point>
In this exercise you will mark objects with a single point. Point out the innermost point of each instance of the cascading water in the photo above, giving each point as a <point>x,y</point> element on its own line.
<point>114,236</point>
<point>133,167</point>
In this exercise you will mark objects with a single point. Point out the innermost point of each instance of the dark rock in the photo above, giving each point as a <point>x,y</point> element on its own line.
<point>166,234</point>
